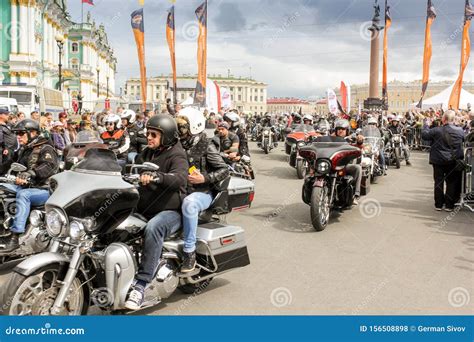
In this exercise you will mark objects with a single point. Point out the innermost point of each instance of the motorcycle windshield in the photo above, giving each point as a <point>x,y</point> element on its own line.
<point>99,160</point>
<point>88,137</point>
<point>371,132</point>
<point>304,128</point>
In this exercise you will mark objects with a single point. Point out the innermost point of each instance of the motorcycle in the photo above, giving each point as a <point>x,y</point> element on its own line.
<point>35,239</point>
<point>242,168</point>
<point>373,145</point>
<point>267,142</point>
<point>298,138</point>
<point>394,150</point>
<point>328,187</point>
<point>93,212</point>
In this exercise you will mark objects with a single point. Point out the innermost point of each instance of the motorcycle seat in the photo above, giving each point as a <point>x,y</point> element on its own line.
<point>327,150</point>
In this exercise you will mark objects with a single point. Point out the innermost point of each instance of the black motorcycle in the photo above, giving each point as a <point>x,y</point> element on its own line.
<point>327,186</point>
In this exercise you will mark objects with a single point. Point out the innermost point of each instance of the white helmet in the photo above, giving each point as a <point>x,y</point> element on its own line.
<point>196,120</point>
<point>372,121</point>
<point>115,119</point>
<point>129,115</point>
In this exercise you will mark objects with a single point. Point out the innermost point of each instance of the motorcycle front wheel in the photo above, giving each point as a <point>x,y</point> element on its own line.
<point>35,294</point>
<point>320,208</point>
<point>397,158</point>
<point>300,169</point>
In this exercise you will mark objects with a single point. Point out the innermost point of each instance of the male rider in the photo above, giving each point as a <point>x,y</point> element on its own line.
<point>137,135</point>
<point>160,198</point>
<point>229,142</point>
<point>341,134</point>
<point>31,186</point>
<point>395,128</point>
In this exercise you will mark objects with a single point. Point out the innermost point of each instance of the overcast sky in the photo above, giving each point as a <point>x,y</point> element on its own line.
<point>299,47</point>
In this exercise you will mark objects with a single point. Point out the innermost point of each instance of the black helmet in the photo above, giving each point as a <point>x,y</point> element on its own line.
<point>167,126</point>
<point>26,125</point>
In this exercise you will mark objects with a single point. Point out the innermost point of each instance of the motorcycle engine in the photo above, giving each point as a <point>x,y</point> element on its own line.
<point>35,240</point>
<point>166,281</point>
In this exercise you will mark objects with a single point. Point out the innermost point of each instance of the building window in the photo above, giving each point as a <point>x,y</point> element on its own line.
<point>240,97</point>
<point>261,98</point>
<point>256,98</point>
<point>231,88</point>
<point>75,64</point>
<point>157,96</point>
<point>240,88</point>
<point>182,96</point>
<point>75,47</point>
<point>232,97</point>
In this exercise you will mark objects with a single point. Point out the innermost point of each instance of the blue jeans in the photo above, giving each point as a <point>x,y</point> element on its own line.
<point>25,198</point>
<point>157,230</point>
<point>192,205</point>
<point>131,157</point>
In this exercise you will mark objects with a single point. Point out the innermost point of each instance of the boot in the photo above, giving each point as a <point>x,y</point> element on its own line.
<point>189,262</point>
<point>9,244</point>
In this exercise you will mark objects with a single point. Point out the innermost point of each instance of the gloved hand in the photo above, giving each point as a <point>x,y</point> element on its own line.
<point>24,178</point>
<point>148,177</point>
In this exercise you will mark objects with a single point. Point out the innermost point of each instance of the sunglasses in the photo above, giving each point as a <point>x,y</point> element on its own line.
<point>20,133</point>
<point>153,135</point>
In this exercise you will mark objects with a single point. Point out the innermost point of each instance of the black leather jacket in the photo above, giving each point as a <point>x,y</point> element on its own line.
<point>204,156</point>
<point>243,141</point>
<point>137,138</point>
<point>41,159</point>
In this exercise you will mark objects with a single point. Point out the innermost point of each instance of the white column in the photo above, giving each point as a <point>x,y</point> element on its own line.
<point>14,29</point>
<point>23,29</point>
<point>31,31</point>
<point>45,40</point>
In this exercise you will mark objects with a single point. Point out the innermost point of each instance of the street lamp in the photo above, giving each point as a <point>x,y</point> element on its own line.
<point>98,85</point>
<point>60,41</point>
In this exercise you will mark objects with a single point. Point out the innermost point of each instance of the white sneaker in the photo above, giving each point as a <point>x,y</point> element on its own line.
<point>135,298</point>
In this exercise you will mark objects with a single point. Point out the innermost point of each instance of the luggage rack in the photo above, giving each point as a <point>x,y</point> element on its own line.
<point>467,194</point>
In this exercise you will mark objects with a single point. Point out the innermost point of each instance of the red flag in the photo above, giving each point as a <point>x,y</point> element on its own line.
<point>219,99</point>
<point>430,17</point>
<point>465,54</point>
<point>89,2</point>
<point>138,28</point>
<point>200,93</point>
<point>388,23</point>
<point>343,92</point>
<point>171,39</point>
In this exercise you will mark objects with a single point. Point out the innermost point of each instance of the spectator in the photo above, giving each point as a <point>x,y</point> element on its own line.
<point>34,115</point>
<point>57,135</point>
<point>21,116</point>
<point>446,148</point>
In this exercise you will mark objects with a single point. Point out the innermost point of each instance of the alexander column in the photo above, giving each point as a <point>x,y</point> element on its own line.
<point>374,101</point>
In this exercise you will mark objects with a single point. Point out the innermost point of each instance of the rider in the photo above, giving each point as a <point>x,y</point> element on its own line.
<point>233,120</point>
<point>373,122</point>
<point>137,135</point>
<point>160,197</point>
<point>207,169</point>
<point>229,142</point>
<point>341,134</point>
<point>395,128</point>
<point>116,138</point>
<point>31,186</point>
<point>8,142</point>
<point>308,120</point>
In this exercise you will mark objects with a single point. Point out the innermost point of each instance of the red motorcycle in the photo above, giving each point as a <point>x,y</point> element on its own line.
<point>299,137</point>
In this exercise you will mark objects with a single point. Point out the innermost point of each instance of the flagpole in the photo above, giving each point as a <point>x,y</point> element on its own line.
<point>82,12</point>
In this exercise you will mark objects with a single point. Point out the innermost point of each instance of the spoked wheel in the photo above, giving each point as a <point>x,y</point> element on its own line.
<point>320,208</point>
<point>35,294</point>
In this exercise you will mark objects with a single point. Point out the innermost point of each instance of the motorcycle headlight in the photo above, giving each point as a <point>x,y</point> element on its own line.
<point>323,167</point>
<point>56,222</point>
<point>266,132</point>
<point>76,230</point>
<point>366,162</point>
<point>368,149</point>
<point>301,144</point>
<point>36,218</point>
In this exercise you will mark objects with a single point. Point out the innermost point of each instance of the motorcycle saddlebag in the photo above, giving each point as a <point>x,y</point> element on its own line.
<point>226,244</point>
<point>241,193</point>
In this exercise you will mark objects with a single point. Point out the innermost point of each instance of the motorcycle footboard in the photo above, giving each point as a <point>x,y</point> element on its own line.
<point>224,244</point>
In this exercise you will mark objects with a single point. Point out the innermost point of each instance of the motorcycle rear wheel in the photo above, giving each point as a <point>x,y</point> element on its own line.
<point>320,208</point>
<point>35,294</point>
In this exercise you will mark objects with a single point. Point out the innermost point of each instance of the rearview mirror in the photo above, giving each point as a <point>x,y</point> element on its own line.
<point>15,167</point>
